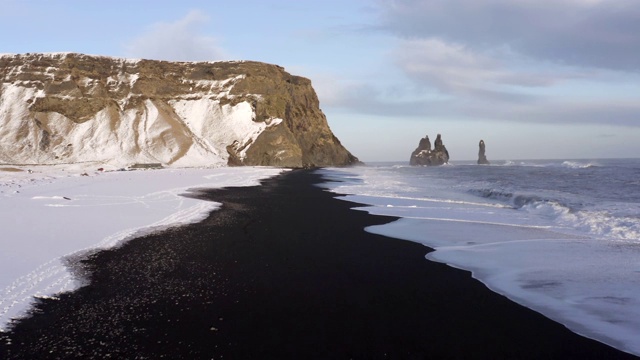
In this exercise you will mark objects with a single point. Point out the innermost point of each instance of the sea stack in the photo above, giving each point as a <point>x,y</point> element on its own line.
<point>423,155</point>
<point>67,108</point>
<point>482,158</point>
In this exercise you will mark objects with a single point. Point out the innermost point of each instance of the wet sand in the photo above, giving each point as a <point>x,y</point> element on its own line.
<point>284,270</point>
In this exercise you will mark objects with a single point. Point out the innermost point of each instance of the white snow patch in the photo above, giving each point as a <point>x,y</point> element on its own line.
<point>273,122</point>
<point>193,130</point>
<point>232,123</point>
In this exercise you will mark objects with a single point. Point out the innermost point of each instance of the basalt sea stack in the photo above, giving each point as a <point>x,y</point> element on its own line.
<point>424,155</point>
<point>69,108</point>
<point>482,158</point>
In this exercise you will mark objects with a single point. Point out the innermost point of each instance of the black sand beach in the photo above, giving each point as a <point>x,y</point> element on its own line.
<point>284,270</point>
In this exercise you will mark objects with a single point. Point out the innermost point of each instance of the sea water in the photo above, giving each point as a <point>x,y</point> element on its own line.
<point>561,237</point>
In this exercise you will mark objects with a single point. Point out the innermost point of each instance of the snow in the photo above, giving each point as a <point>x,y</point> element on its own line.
<point>123,78</point>
<point>65,54</point>
<point>216,86</point>
<point>233,123</point>
<point>15,112</point>
<point>53,212</point>
<point>192,130</point>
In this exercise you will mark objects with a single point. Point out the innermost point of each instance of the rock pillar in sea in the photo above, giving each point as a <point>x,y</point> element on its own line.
<point>482,158</point>
<point>425,156</point>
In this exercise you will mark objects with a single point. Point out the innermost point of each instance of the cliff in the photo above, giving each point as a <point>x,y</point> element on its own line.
<point>69,108</point>
<point>425,156</point>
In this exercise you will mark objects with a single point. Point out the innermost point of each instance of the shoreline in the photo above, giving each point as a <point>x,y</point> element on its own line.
<point>51,214</point>
<point>284,270</point>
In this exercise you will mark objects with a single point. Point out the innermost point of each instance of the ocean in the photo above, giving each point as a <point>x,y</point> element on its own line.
<point>561,237</point>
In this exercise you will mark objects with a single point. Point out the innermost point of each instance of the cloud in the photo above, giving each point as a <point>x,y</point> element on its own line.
<point>337,95</point>
<point>607,136</point>
<point>457,69</point>
<point>589,33</point>
<point>361,97</point>
<point>529,61</point>
<point>180,40</point>
<point>616,113</point>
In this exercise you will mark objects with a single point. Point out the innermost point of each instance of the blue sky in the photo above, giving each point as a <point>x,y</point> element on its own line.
<point>533,78</point>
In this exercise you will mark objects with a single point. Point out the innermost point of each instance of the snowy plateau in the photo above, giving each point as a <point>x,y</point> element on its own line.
<point>65,108</point>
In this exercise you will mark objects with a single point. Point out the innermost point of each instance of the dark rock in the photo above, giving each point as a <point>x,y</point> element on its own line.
<point>424,155</point>
<point>482,158</point>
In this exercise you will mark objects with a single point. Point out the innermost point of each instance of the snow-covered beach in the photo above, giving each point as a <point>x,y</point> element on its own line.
<point>50,212</point>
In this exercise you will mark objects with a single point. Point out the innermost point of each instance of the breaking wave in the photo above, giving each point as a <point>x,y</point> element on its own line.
<point>591,222</point>
<point>578,165</point>
<point>517,201</point>
<point>565,164</point>
<point>602,224</point>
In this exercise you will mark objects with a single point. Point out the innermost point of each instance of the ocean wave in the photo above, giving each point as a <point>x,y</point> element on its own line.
<point>393,197</point>
<point>591,222</point>
<point>578,165</point>
<point>517,201</point>
<point>522,163</point>
<point>511,163</point>
<point>540,164</point>
<point>603,224</point>
<point>492,194</point>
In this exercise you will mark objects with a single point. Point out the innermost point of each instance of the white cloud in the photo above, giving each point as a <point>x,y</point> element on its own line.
<point>457,69</point>
<point>181,40</point>
<point>449,67</point>
<point>588,33</point>
<point>528,61</point>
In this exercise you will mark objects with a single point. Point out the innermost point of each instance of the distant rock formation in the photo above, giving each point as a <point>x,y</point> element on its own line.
<point>66,108</point>
<point>482,158</point>
<point>425,156</point>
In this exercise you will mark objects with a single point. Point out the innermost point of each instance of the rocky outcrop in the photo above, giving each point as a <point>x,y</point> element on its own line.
<point>424,155</point>
<point>67,108</point>
<point>482,158</point>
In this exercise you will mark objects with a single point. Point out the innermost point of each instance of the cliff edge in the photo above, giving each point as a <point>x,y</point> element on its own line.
<point>69,108</point>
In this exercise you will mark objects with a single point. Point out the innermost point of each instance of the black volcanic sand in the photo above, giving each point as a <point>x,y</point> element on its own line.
<point>284,270</point>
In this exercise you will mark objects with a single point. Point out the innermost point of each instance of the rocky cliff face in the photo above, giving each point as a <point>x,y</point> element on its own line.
<point>68,108</point>
<point>424,155</point>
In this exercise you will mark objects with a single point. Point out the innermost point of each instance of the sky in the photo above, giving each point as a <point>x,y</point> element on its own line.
<point>535,79</point>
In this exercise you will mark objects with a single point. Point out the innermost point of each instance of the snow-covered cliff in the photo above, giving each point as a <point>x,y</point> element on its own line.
<point>70,108</point>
